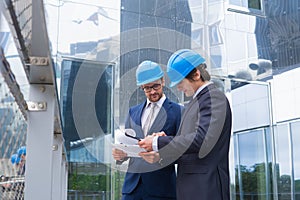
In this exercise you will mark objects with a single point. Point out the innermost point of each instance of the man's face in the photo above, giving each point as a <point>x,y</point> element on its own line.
<point>154,90</point>
<point>186,86</point>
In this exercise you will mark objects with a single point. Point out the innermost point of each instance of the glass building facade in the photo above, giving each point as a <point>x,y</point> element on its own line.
<point>252,49</point>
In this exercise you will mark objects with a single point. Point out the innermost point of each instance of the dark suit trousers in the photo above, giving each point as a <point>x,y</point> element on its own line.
<point>140,194</point>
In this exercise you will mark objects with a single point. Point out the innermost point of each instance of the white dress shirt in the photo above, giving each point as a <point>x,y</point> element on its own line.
<point>147,109</point>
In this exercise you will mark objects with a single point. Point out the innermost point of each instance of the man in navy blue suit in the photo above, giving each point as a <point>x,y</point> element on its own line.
<point>201,146</point>
<point>144,181</point>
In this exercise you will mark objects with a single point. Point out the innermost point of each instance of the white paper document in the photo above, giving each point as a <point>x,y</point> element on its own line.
<point>131,150</point>
<point>127,144</point>
<point>120,137</point>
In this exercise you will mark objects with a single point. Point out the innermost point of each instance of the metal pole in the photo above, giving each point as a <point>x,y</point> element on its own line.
<point>38,175</point>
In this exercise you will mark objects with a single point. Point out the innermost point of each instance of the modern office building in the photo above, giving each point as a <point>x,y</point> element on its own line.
<point>73,64</point>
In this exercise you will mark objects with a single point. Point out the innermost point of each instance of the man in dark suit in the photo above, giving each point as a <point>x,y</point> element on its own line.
<point>144,181</point>
<point>201,146</point>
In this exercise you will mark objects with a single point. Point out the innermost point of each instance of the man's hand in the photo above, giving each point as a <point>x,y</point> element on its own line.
<point>150,157</point>
<point>159,134</point>
<point>119,154</point>
<point>146,143</point>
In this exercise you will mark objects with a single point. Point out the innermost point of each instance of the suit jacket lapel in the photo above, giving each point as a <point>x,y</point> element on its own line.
<point>186,110</point>
<point>140,132</point>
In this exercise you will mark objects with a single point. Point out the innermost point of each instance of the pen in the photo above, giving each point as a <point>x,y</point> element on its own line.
<point>128,135</point>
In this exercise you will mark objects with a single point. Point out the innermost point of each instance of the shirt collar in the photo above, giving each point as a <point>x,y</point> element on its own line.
<point>201,88</point>
<point>159,103</point>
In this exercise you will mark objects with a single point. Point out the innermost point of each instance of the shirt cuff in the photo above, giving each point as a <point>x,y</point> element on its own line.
<point>154,143</point>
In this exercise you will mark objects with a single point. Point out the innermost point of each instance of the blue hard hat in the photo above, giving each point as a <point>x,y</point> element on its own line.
<point>181,63</point>
<point>22,151</point>
<point>15,159</point>
<point>147,72</point>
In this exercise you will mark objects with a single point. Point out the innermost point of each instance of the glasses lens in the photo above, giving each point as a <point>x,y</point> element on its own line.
<point>156,86</point>
<point>149,88</point>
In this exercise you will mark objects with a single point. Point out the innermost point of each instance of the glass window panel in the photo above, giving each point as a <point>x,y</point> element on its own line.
<point>252,162</point>
<point>236,190</point>
<point>269,173</point>
<point>197,11</point>
<point>161,8</point>
<point>184,36</point>
<point>283,160</point>
<point>86,89</point>
<point>295,131</point>
<point>215,36</point>
<point>255,4</point>
<point>130,5</point>
<point>86,107</point>
<point>183,11</point>
<point>82,22</point>
<point>197,34</point>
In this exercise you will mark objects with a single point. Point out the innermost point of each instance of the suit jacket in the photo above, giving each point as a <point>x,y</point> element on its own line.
<point>201,147</point>
<point>159,181</point>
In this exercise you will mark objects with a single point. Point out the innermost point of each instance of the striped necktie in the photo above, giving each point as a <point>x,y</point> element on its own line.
<point>150,118</point>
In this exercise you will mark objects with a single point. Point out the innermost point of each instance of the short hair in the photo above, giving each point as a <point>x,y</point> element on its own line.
<point>204,75</point>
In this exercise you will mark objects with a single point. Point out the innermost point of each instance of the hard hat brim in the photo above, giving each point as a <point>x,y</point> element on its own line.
<point>150,80</point>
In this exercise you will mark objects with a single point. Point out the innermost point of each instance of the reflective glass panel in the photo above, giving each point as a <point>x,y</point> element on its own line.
<point>87,97</point>
<point>283,160</point>
<point>295,131</point>
<point>253,163</point>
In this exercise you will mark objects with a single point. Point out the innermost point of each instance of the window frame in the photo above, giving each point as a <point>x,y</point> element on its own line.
<point>247,10</point>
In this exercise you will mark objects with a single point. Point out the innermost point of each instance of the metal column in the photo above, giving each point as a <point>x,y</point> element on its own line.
<point>58,166</point>
<point>39,172</point>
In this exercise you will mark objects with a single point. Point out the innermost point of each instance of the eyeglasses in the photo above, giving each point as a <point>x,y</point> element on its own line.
<point>156,86</point>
